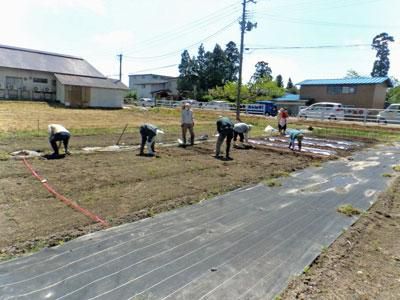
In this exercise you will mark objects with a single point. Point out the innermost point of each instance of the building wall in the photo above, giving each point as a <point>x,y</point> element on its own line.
<point>365,95</point>
<point>100,97</point>
<point>60,92</point>
<point>145,84</point>
<point>26,85</point>
<point>380,96</point>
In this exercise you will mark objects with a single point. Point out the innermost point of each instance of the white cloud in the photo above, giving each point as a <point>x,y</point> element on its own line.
<point>117,39</point>
<point>95,6</point>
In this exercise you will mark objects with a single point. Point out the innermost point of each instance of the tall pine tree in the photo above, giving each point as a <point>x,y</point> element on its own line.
<point>232,65</point>
<point>279,80</point>
<point>289,84</point>
<point>188,75</point>
<point>382,64</point>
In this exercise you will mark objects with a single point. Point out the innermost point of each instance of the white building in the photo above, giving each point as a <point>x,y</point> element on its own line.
<point>38,75</point>
<point>151,85</point>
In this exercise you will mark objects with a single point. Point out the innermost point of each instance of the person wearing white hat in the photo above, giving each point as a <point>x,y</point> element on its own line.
<point>58,133</point>
<point>242,130</point>
<point>149,133</point>
<point>187,123</point>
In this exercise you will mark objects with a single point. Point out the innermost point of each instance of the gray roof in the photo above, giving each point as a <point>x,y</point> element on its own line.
<point>355,80</point>
<point>106,83</point>
<point>28,59</point>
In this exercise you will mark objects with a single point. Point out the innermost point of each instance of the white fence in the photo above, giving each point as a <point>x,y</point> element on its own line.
<point>258,109</point>
<point>381,116</point>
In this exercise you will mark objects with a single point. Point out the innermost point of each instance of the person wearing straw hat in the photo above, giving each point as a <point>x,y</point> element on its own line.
<point>148,133</point>
<point>187,123</point>
<point>58,133</point>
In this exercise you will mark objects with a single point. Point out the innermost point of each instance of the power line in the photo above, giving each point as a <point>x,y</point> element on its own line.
<point>158,68</point>
<point>185,48</point>
<point>322,23</point>
<point>212,18</point>
<point>308,47</point>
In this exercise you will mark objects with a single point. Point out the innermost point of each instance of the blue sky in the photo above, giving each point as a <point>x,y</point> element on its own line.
<point>151,34</point>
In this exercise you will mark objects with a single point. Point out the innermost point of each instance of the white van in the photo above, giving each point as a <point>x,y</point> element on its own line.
<point>218,104</point>
<point>323,110</point>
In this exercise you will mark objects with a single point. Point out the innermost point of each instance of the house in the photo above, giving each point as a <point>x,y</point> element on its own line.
<point>38,75</point>
<point>291,102</point>
<point>152,85</point>
<point>366,92</point>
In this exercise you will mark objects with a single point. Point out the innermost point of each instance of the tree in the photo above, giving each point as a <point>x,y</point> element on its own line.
<point>229,91</point>
<point>232,58</point>
<point>188,75</point>
<point>382,64</point>
<point>202,69</point>
<point>266,88</point>
<point>393,94</point>
<point>279,80</point>
<point>352,74</point>
<point>216,67</point>
<point>289,84</point>
<point>263,71</point>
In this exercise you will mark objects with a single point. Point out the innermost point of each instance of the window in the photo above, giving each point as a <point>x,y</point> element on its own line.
<point>13,83</point>
<point>40,80</point>
<point>348,90</point>
<point>340,89</point>
<point>334,90</point>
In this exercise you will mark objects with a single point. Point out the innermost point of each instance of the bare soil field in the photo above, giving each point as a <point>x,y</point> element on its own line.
<point>123,187</point>
<point>364,263</point>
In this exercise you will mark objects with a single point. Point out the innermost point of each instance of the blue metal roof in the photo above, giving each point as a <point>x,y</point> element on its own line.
<point>355,80</point>
<point>288,97</point>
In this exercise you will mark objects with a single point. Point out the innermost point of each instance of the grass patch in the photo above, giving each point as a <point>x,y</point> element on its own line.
<point>396,168</point>
<point>348,210</point>
<point>4,156</point>
<point>387,175</point>
<point>272,182</point>
<point>306,270</point>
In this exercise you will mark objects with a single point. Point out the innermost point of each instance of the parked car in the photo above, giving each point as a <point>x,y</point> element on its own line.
<point>192,102</point>
<point>323,110</point>
<point>390,115</point>
<point>147,102</point>
<point>218,104</point>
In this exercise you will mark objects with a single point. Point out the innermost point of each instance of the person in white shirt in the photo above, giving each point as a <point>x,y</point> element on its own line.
<point>58,133</point>
<point>187,122</point>
<point>241,130</point>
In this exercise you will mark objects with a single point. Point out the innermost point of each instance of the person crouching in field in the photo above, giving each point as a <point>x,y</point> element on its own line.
<point>296,134</point>
<point>58,133</point>
<point>148,133</point>
<point>242,130</point>
<point>225,130</point>
<point>187,122</point>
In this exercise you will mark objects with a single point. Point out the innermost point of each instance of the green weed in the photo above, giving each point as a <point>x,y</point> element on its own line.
<point>348,210</point>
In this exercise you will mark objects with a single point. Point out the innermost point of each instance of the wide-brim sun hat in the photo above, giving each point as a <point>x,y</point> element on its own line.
<point>159,131</point>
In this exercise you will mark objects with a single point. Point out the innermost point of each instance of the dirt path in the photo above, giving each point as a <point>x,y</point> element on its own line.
<point>364,263</point>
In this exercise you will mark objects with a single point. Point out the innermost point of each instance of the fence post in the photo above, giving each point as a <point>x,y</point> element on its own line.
<point>365,115</point>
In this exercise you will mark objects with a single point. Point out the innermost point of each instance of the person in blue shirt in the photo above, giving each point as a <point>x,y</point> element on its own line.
<point>296,134</point>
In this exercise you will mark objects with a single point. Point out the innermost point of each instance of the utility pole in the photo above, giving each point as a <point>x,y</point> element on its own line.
<point>243,27</point>
<point>120,66</point>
